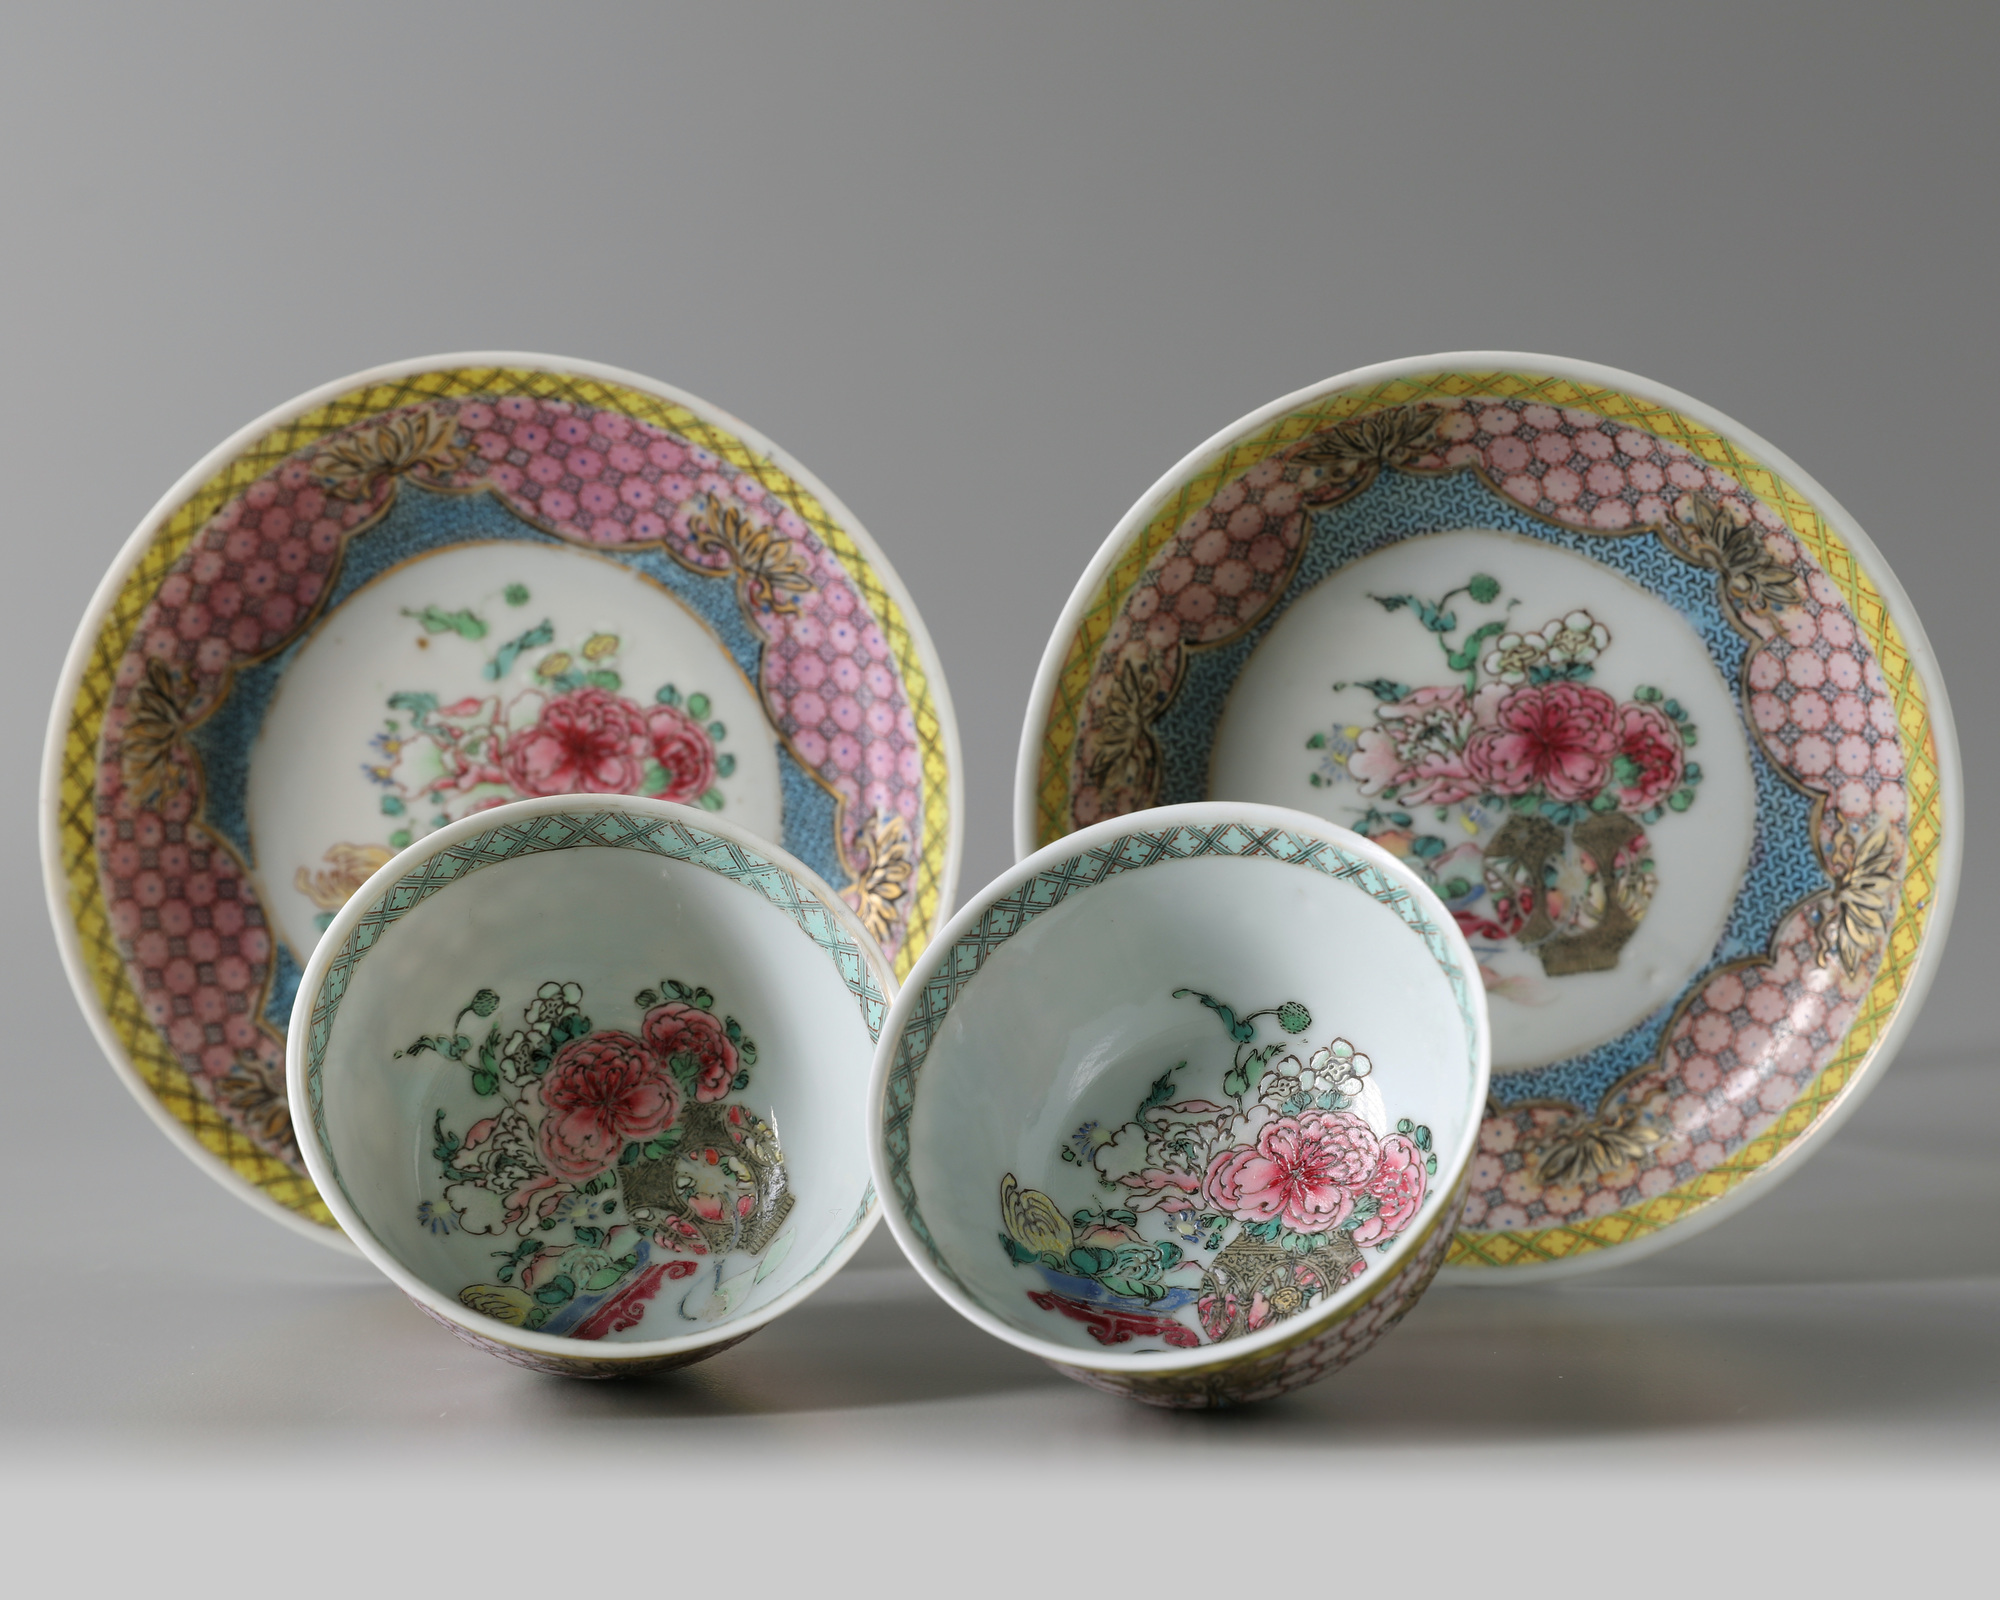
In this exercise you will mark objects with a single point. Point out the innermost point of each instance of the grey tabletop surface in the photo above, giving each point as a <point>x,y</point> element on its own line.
<point>988,272</point>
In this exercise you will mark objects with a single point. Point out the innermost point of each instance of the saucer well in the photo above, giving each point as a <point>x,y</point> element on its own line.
<point>424,591</point>
<point>1635,696</point>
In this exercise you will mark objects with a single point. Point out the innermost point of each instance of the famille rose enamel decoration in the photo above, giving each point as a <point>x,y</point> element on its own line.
<point>425,592</point>
<point>1633,696</point>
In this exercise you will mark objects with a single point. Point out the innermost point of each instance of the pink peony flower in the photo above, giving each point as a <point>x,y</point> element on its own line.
<point>676,1029</point>
<point>1302,1170</point>
<point>1556,737</point>
<point>1398,1184</point>
<point>588,741</point>
<point>1418,743</point>
<point>682,748</point>
<point>1651,744</point>
<point>601,1094</point>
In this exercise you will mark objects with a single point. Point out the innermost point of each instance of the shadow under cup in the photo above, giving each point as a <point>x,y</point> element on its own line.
<point>1200,1105</point>
<point>598,1102</point>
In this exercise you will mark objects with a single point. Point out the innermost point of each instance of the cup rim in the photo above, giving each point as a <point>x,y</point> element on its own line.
<point>364,1238</point>
<point>1198,813</point>
<point>1951,785</point>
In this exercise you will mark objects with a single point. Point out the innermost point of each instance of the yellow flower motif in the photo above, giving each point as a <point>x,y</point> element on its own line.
<point>415,441</point>
<point>882,869</point>
<point>348,867</point>
<point>1034,1221</point>
<point>554,665</point>
<point>770,569</point>
<point>500,1301</point>
<point>1852,918</point>
<point>600,645</point>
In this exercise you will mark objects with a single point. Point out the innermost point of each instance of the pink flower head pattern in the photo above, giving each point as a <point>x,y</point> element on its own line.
<point>193,937</point>
<point>1245,1208</point>
<point>610,1152</point>
<point>601,1094</point>
<point>1302,1171</point>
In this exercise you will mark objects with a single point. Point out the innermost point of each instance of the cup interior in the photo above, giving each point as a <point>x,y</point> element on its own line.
<point>600,1094</point>
<point>1191,1102</point>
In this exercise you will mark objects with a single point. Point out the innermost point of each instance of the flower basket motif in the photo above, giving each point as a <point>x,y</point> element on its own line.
<point>1550,781</point>
<point>614,1161</point>
<point>1243,1211</point>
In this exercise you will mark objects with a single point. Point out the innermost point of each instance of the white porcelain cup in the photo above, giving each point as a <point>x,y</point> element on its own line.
<point>585,1078</point>
<point>1184,1102</point>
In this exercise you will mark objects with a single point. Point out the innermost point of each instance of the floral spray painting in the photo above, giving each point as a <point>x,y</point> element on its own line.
<point>1224,1210</point>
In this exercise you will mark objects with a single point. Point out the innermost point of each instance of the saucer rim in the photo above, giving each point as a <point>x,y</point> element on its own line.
<point>104,596</point>
<point>1951,796</point>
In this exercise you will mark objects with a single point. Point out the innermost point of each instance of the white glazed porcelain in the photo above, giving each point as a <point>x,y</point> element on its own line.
<point>1620,682</point>
<point>585,1078</point>
<point>425,590</point>
<point>1183,1103</point>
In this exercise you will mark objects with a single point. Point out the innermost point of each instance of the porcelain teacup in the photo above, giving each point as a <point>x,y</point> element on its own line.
<point>584,1076</point>
<point>1184,1103</point>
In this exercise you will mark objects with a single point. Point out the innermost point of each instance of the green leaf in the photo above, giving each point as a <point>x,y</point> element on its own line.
<point>1293,1017</point>
<point>392,806</point>
<point>590,1236</point>
<point>604,678</point>
<point>1162,1090</point>
<point>603,1278</point>
<point>704,1000</point>
<point>1426,846</point>
<point>698,707</point>
<point>558,1289</point>
<point>1688,738</point>
<point>1234,1083</point>
<point>505,657</point>
<point>682,1065</point>
<point>1316,742</point>
<point>1090,1262</point>
<point>485,1082</point>
<point>1386,689</point>
<point>1483,589</point>
<point>1646,692</point>
<point>399,840</point>
<point>667,695</point>
<point>416,704</point>
<point>1170,1255</point>
<point>1462,659</point>
<point>740,1082</point>
<point>646,999</point>
<point>459,1045</point>
<point>1404,1125</point>
<point>516,594</point>
<point>712,800</point>
<point>746,1052</point>
<point>733,1029</point>
<point>725,765</point>
<point>1423,1137</point>
<point>437,620</point>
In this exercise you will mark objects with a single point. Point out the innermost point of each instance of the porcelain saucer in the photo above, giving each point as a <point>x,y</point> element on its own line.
<point>1638,700</point>
<point>428,590</point>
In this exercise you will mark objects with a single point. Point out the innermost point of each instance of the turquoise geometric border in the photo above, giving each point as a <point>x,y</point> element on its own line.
<point>564,830</point>
<point>1129,852</point>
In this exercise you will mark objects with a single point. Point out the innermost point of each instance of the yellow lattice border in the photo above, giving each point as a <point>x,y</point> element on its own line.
<point>1871,614</point>
<point>144,1047</point>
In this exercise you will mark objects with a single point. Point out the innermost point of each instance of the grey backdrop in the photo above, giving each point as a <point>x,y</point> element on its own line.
<point>988,272</point>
